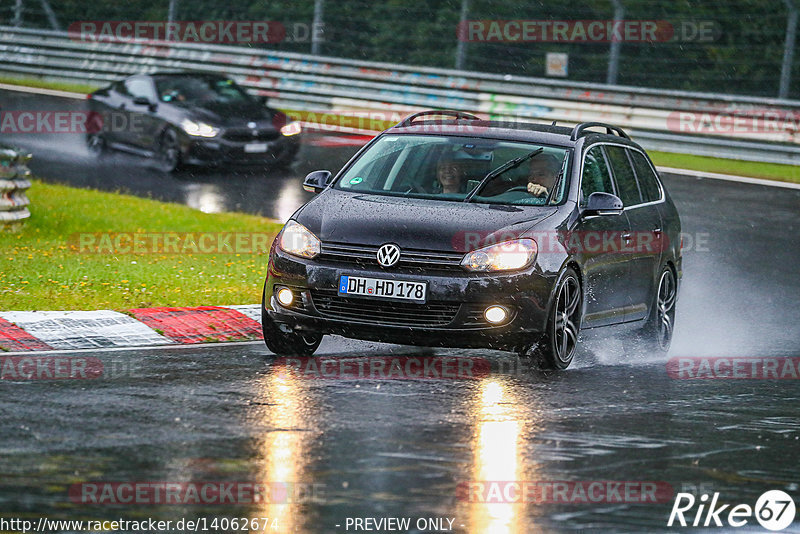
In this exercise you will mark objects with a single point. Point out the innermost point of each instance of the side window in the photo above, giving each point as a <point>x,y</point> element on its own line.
<point>119,87</point>
<point>623,174</point>
<point>140,87</point>
<point>648,182</point>
<point>595,174</point>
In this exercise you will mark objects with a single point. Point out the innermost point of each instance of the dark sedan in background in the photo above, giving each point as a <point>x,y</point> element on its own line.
<point>189,118</point>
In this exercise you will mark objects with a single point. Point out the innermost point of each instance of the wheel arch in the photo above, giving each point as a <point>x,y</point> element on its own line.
<point>575,266</point>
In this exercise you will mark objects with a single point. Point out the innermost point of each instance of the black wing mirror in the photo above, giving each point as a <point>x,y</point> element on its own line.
<point>262,100</point>
<point>603,204</point>
<point>317,181</point>
<point>144,101</point>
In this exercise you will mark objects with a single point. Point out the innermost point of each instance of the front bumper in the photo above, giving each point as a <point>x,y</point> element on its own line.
<point>215,151</point>
<point>451,317</point>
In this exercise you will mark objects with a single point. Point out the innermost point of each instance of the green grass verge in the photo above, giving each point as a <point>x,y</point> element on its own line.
<point>45,84</point>
<point>44,268</point>
<point>753,169</point>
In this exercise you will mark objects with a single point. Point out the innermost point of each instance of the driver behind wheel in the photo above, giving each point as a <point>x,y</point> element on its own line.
<point>543,173</point>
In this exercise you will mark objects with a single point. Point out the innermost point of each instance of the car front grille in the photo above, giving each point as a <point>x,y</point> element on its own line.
<point>432,314</point>
<point>366,255</point>
<point>244,135</point>
<point>474,315</point>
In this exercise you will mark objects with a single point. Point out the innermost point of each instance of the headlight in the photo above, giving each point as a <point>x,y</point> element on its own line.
<point>198,129</point>
<point>293,128</point>
<point>297,240</point>
<point>506,256</point>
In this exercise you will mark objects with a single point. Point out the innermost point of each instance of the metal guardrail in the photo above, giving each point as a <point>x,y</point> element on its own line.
<point>14,182</point>
<point>303,82</point>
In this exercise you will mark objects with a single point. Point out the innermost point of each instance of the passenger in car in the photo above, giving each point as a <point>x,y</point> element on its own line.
<point>543,173</point>
<point>451,176</point>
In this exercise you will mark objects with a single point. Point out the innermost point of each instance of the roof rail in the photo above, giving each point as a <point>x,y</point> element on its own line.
<point>445,112</point>
<point>578,130</point>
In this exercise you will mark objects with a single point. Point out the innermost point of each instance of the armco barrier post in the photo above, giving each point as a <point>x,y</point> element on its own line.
<point>14,182</point>
<point>788,49</point>
<point>613,53</point>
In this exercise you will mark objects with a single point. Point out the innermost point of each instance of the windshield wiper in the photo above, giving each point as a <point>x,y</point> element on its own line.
<point>507,166</point>
<point>557,182</point>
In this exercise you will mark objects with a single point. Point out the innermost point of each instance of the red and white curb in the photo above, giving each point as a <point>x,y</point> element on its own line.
<point>23,331</point>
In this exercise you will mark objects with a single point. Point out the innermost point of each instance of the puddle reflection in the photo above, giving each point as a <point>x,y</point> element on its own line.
<point>284,452</point>
<point>497,456</point>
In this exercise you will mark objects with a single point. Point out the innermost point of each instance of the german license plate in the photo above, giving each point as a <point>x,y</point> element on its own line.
<point>254,148</point>
<point>387,289</point>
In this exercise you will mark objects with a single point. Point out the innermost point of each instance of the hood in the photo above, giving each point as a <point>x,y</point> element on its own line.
<point>231,115</point>
<point>357,218</point>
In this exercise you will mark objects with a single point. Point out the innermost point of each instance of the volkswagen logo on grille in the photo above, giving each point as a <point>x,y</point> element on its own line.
<point>388,255</point>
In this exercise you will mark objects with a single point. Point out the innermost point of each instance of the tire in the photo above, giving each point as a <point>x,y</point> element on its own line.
<point>96,145</point>
<point>283,343</point>
<point>557,347</point>
<point>656,334</point>
<point>169,151</point>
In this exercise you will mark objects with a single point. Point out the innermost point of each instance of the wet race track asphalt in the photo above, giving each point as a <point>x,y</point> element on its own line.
<point>360,446</point>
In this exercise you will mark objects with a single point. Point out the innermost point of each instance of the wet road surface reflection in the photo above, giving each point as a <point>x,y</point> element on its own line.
<point>335,447</point>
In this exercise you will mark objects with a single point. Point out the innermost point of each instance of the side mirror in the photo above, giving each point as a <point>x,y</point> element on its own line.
<point>603,204</point>
<point>317,181</point>
<point>144,101</point>
<point>262,100</point>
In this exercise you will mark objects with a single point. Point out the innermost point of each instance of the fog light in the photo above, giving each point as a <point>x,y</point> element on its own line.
<point>285,296</point>
<point>496,314</point>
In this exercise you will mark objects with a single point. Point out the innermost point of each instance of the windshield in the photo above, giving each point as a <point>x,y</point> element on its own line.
<point>194,90</point>
<point>448,168</point>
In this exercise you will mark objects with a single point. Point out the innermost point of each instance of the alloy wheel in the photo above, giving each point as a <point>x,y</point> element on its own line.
<point>567,319</point>
<point>665,309</point>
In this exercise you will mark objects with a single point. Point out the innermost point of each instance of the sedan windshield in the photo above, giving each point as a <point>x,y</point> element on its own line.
<point>451,167</point>
<point>194,90</point>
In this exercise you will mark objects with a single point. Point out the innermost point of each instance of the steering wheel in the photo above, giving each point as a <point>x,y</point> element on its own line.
<point>416,188</point>
<point>523,188</point>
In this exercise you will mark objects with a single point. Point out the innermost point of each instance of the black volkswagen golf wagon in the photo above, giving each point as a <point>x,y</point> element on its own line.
<point>448,230</point>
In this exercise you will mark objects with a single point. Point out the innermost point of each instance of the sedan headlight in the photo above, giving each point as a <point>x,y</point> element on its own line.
<point>506,256</point>
<point>297,240</point>
<point>293,128</point>
<point>198,129</point>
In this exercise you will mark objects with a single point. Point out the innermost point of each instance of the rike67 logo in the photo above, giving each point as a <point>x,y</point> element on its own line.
<point>774,510</point>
